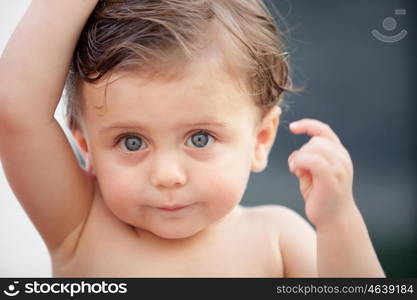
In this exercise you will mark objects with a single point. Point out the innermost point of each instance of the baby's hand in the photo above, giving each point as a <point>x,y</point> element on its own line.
<point>324,169</point>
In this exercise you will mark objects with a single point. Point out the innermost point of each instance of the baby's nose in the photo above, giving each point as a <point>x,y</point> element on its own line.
<point>167,171</point>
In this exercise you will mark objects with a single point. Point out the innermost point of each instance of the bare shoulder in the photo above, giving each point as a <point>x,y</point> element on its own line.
<point>296,237</point>
<point>277,215</point>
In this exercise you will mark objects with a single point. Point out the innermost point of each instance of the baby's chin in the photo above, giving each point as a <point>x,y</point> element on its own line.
<point>175,233</point>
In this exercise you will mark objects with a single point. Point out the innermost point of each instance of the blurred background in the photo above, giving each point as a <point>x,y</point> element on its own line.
<point>360,85</point>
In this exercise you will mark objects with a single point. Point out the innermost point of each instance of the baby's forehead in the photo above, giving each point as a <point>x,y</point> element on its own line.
<point>197,81</point>
<point>199,92</point>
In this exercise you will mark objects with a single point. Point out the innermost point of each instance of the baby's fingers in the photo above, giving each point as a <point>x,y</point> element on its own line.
<point>314,128</point>
<point>299,162</point>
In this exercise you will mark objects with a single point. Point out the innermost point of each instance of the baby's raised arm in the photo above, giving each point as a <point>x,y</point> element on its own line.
<point>36,156</point>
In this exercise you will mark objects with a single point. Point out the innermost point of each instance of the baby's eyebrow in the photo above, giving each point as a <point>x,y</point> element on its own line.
<point>136,125</point>
<point>206,123</point>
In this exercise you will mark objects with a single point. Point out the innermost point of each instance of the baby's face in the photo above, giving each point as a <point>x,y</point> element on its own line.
<point>157,145</point>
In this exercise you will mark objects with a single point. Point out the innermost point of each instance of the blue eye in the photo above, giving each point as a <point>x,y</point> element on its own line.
<point>200,139</point>
<point>132,143</point>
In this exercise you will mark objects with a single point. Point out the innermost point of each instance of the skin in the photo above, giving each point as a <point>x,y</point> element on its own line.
<point>106,222</point>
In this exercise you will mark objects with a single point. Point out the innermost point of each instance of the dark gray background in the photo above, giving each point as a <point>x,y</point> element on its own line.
<point>365,90</point>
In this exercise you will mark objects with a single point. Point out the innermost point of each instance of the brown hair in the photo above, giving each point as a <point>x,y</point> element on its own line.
<point>151,36</point>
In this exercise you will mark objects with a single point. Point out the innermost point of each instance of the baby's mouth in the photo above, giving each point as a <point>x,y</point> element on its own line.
<point>171,208</point>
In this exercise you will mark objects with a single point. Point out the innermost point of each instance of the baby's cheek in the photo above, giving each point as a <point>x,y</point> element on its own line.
<point>118,192</point>
<point>225,189</point>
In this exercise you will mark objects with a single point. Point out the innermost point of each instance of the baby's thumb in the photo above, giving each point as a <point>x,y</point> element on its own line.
<point>306,182</point>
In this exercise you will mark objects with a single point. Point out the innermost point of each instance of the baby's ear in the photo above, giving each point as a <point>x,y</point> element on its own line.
<point>265,137</point>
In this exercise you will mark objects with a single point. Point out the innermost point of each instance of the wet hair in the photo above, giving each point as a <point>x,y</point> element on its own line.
<point>158,38</point>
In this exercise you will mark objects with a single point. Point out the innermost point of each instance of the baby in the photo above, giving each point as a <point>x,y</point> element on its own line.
<point>172,103</point>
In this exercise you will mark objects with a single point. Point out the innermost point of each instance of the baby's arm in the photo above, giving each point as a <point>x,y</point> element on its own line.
<point>36,156</point>
<point>325,172</point>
